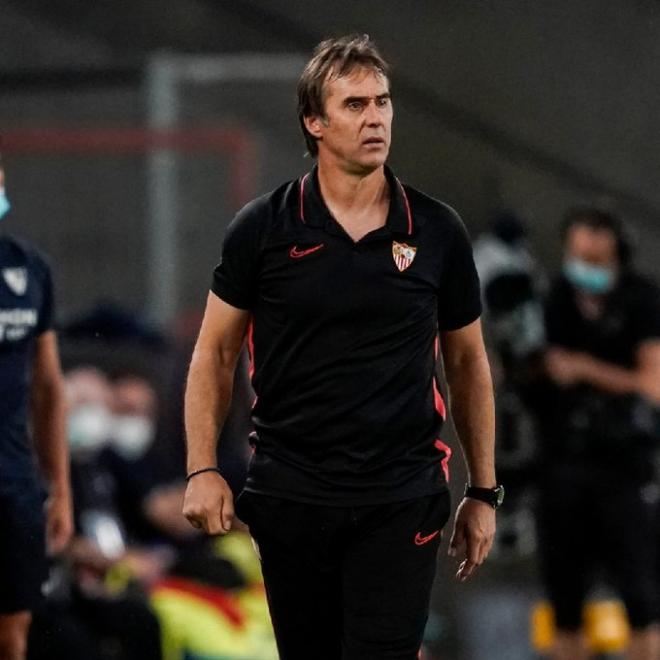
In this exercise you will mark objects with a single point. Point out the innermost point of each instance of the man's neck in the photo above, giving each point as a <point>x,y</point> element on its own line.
<point>358,202</point>
<point>349,190</point>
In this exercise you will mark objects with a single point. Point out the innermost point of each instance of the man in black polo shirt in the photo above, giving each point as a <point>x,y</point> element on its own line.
<point>600,433</point>
<point>29,374</point>
<point>341,281</point>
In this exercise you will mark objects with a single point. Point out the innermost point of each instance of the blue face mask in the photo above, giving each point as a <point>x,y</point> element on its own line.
<point>590,279</point>
<point>4,203</point>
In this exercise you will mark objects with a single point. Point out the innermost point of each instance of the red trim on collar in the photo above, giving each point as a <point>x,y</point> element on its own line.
<point>301,205</point>
<point>302,198</point>
<point>407,205</point>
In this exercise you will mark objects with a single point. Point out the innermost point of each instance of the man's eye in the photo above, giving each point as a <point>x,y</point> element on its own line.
<point>354,105</point>
<point>383,101</point>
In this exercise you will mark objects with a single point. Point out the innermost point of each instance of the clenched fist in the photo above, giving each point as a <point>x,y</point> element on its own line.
<point>209,504</point>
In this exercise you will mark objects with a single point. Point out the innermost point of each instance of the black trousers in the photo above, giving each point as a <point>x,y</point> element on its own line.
<point>347,583</point>
<point>591,518</point>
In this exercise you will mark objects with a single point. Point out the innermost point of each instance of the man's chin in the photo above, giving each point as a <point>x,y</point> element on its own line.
<point>366,166</point>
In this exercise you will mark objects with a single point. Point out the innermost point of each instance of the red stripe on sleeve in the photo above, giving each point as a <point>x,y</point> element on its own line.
<point>441,446</point>
<point>439,402</point>
<point>250,347</point>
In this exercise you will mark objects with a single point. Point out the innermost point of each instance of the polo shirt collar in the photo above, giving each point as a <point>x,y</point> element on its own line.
<point>313,211</point>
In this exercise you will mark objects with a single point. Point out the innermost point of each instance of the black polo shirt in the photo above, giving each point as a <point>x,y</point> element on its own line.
<point>26,311</point>
<point>630,317</point>
<point>343,341</point>
<point>582,425</point>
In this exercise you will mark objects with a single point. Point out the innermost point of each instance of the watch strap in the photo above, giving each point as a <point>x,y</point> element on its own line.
<point>492,496</point>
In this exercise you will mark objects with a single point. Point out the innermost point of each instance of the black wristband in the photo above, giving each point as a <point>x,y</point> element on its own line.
<point>206,469</point>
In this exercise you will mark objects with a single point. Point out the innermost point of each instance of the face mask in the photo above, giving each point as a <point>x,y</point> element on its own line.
<point>89,427</point>
<point>4,203</point>
<point>588,278</point>
<point>132,435</point>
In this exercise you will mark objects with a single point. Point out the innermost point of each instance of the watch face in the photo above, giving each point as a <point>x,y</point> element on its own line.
<point>499,494</point>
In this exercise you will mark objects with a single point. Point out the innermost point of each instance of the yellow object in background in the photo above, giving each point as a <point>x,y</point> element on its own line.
<point>190,628</point>
<point>605,626</point>
<point>542,627</point>
<point>239,550</point>
<point>203,622</point>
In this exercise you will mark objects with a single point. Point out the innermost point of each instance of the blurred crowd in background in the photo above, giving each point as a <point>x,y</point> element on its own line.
<point>138,581</point>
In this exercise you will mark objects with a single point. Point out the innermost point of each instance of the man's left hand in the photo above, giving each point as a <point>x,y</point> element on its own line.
<point>59,522</point>
<point>474,531</point>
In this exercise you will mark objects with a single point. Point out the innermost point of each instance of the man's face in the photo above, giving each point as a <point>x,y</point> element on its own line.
<point>356,130</point>
<point>596,247</point>
<point>134,396</point>
<point>591,262</point>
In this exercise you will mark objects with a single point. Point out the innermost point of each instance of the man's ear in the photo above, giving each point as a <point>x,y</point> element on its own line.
<point>314,125</point>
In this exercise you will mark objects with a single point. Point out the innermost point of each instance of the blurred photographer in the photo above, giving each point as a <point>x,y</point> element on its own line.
<point>599,432</point>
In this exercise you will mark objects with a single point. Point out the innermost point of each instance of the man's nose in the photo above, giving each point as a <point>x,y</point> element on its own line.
<point>372,115</point>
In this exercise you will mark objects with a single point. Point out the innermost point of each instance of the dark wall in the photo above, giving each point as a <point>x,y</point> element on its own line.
<point>531,105</point>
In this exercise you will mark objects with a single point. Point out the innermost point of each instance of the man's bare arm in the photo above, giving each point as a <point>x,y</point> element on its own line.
<point>208,502</point>
<point>49,429</point>
<point>570,367</point>
<point>471,400</point>
<point>473,410</point>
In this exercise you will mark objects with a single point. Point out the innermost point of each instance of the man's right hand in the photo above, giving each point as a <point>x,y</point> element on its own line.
<point>209,504</point>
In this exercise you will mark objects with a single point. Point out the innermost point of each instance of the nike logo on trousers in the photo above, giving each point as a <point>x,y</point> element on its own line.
<point>421,540</point>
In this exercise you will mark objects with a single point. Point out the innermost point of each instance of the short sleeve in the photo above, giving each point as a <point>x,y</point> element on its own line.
<point>459,294</point>
<point>47,311</point>
<point>235,278</point>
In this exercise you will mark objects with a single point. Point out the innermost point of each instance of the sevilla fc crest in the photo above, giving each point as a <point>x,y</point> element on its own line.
<point>403,255</point>
<point>16,279</point>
